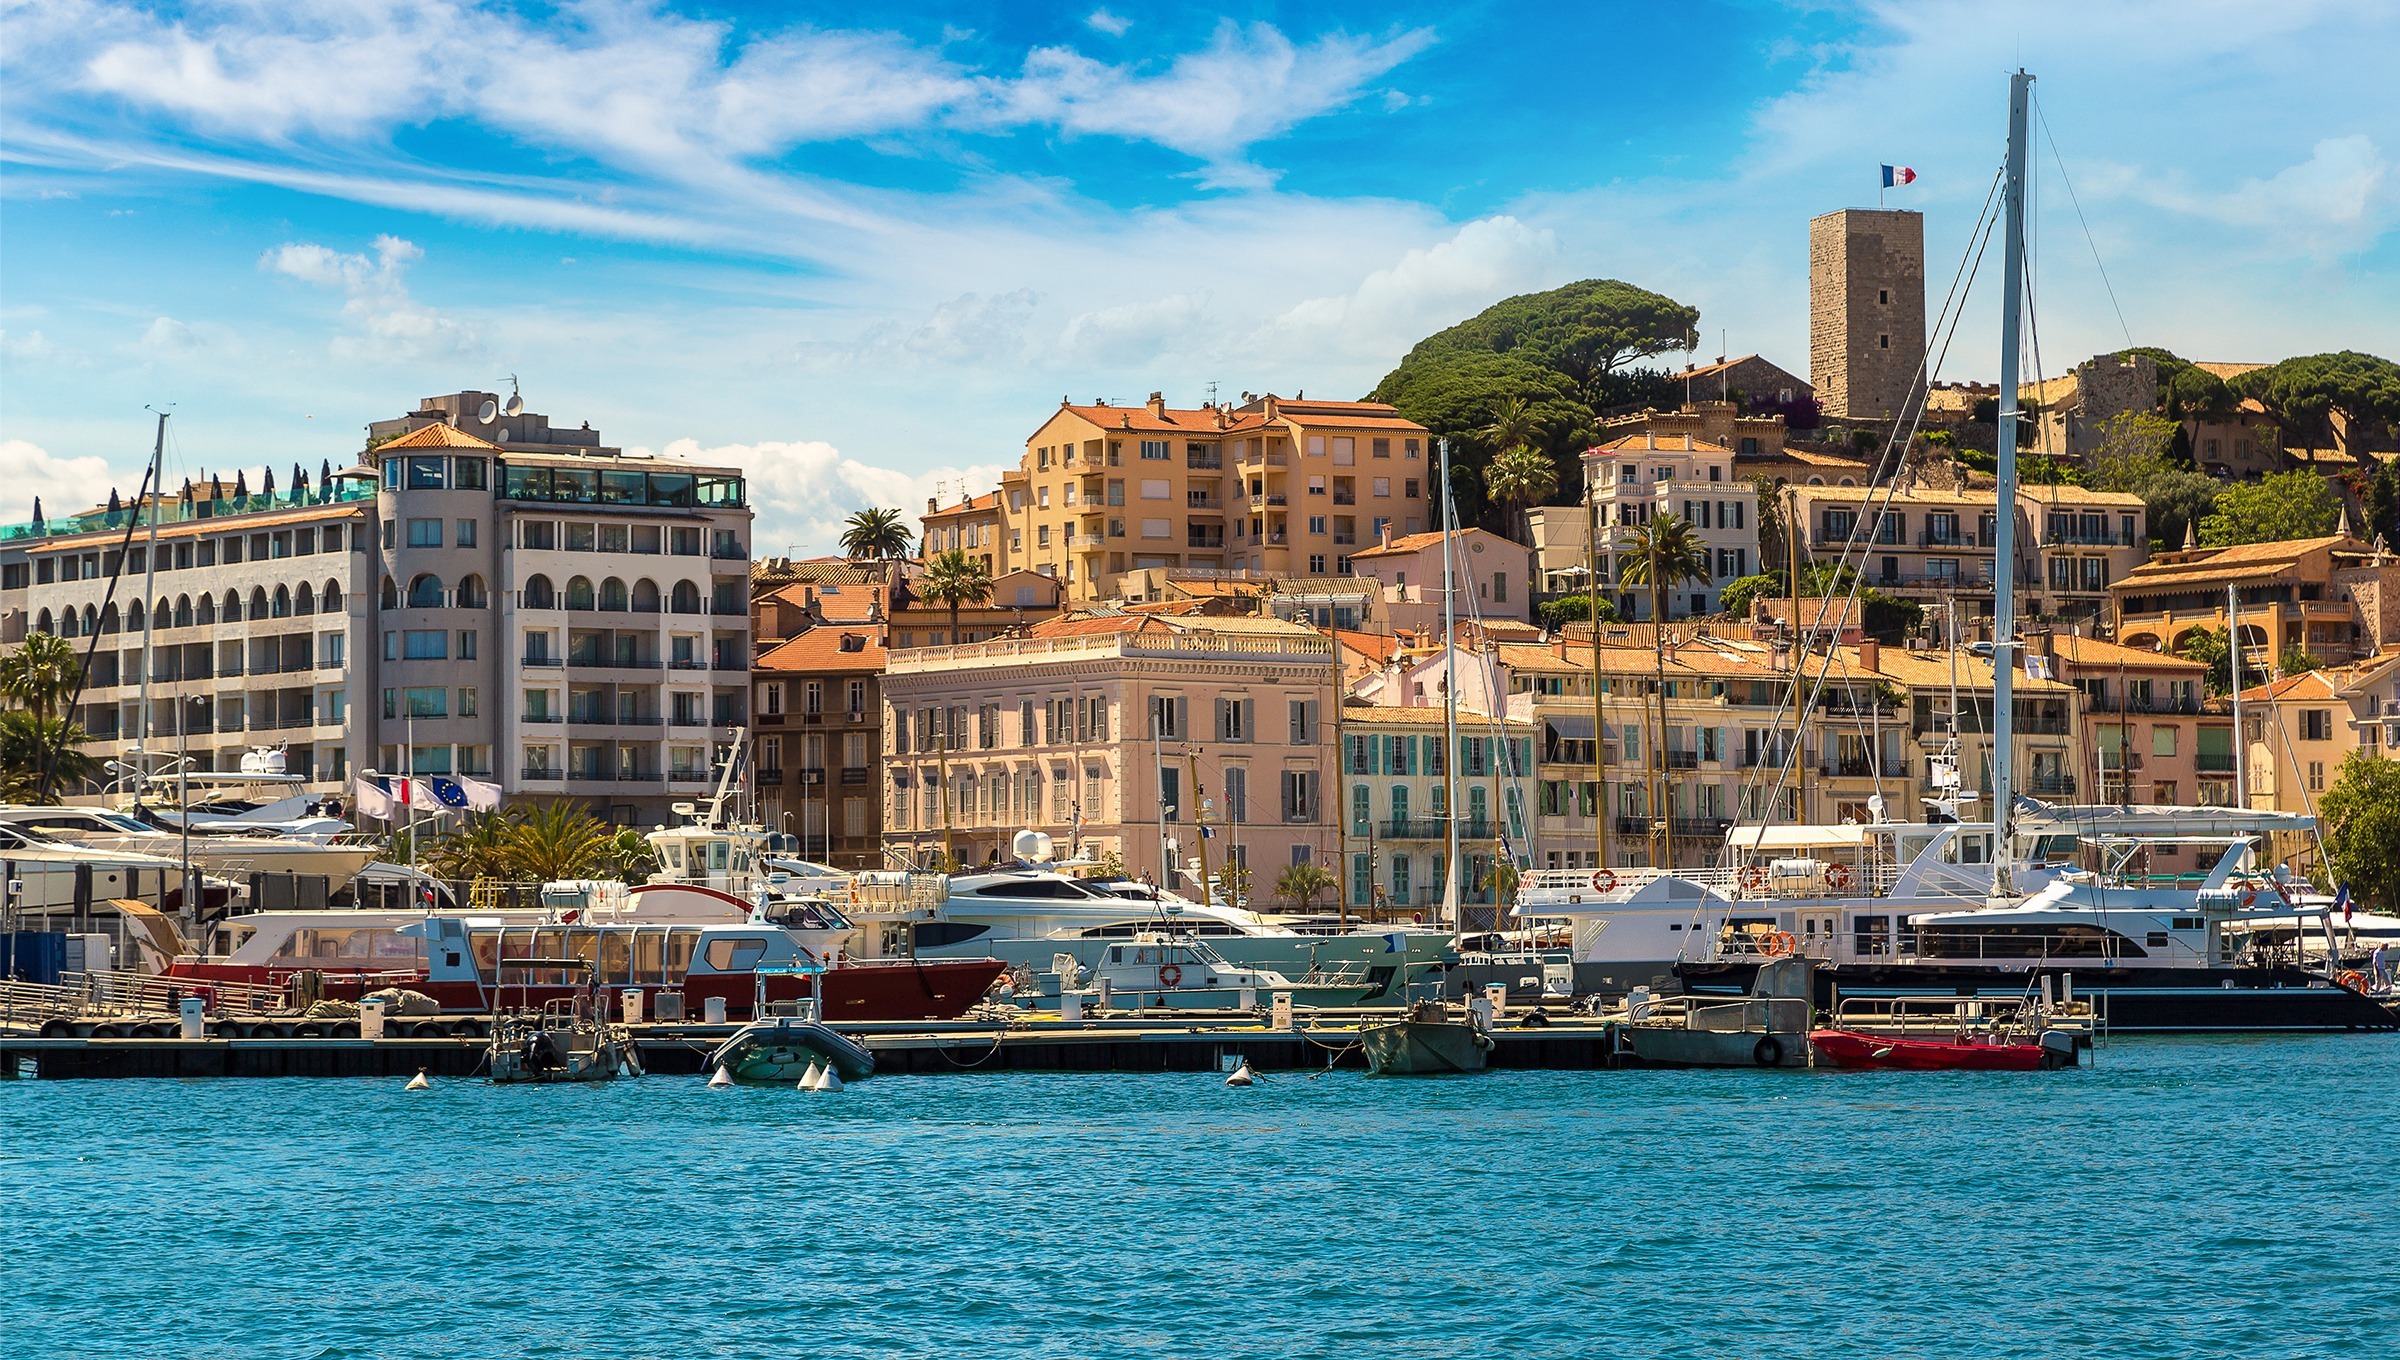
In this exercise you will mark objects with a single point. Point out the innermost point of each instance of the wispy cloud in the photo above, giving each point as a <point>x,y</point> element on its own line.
<point>29,472</point>
<point>1101,21</point>
<point>386,323</point>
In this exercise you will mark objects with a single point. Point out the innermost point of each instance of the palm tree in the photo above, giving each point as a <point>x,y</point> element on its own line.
<point>40,673</point>
<point>29,742</point>
<point>1666,554</point>
<point>1512,427</point>
<point>557,840</point>
<point>1301,883</point>
<point>954,579</point>
<point>1519,478</point>
<point>875,533</point>
<point>481,846</point>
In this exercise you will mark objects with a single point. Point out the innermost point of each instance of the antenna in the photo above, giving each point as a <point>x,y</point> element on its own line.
<point>516,399</point>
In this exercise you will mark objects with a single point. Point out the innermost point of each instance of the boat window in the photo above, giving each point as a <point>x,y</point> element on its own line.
<point>1033,887</point>
<point>716,856</point>
<point>2189,923</point>
<point>734,955</point>
<point>680,944</point>
<point>2026,940</point>
<point>1116,954</point>
<point>550,942</point>
<point>616,956</point>
<point>648,949</point>
<point>935,934</point>
<point>584,945</point>
<point>365,945</point>
<point>673,851</point>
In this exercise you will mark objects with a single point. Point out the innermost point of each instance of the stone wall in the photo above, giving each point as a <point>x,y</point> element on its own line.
<point>1866,310</point>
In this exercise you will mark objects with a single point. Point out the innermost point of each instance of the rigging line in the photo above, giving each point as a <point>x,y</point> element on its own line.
<point>1969,268</point>
<point>2061,163</point>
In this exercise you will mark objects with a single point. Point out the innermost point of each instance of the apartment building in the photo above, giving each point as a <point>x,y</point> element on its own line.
<point>1396,772</point>
<point>817,724</point>
<point>1636,479</point>
<point>1493,577</point>
<point>2334,597</point>
<point>1113,732</point>
<point>2151,734</point>
<point>1270,487</point>
<point>2297,730</point>
<point>1019,599</point>
<point>976,526</point>
<point>1936,543</point>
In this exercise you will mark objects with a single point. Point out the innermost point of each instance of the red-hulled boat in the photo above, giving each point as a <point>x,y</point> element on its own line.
<point>1973,1053</point>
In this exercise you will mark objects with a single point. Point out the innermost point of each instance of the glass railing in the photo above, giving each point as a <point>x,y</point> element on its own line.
<point>175,510</point>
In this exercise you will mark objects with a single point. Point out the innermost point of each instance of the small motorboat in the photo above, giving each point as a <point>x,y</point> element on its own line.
<point>1973,1053</point>
<point>1426,1041</point>
<point>1173,971</point>
<point>1768,1028</point>
<point>782,1048</point>
<point>565,1040</point>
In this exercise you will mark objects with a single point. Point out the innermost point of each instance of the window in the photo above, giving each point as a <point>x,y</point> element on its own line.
<point>466,533</point>
<point>425,472</point>
<point>1155,489</point>
<point>1157,450</point>
<point>1303,715</point>
<point>2316,776</point>
<point>2162,740</point>
<point>586,538</point>
<point>541,534</point>
<point>466,702</point>
<point>424,533</point>
<point>1299,795</point>
<point>1166,716</point>
<point>1883,342</point>
<point>1170,794</point>
<point>466,474</point>
<point>426,701</point>
<point>426,644</point>
<point>2316,724</point>
<point>1233,719</point>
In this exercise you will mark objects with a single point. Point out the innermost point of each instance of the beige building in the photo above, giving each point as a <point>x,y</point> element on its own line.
<point>1113,732</point>
<point>1271,487</point>
<point>2334,597</point>
<point>1638,478</point>
<point>976,526</point>
<point>1866,311</point>
<point>2151,734</point>
<point>2297,731</point>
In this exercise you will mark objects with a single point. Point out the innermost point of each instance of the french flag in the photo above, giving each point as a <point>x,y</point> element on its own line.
<point>1895,175</point>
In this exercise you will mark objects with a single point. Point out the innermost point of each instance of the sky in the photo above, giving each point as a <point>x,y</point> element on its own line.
<point>863,251</point>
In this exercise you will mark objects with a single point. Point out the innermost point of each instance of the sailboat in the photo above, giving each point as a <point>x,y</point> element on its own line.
<point>1427,1040</point>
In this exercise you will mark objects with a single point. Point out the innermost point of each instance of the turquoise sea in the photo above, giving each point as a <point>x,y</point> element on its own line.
<point>2181,1197</point>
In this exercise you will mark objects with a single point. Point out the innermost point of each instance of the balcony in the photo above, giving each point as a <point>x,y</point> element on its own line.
<point>1428,829</point>
<point>857,774</point>
<point>1345,498</point>
<point>1261,502</point>
<point>2044,785</point>
<point>1863,767</point>
<point>1257,458</point>
<point>1204,462</point>
<point>2206,763</point>
<point>1711,827</point>
<point>543,661</point>
<point>1682,760</point>
<point>541,774</point>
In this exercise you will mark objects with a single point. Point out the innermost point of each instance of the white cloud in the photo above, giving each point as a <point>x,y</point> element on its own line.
<point>387,323</point>
<point>2335,201</point>
<point>1113,25</point>
<point>64,485</point>
<point>802,490</point>
<point>1427,289</point>
<point>32,345</point>
<point>169,334</point>
<point>1139,332</point>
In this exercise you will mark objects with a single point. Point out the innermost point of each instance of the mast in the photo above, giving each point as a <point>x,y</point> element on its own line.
<point>2233,658</point>
<point>1450,699</point>
<point>2004,566</point>
<point>1791,544</point>
<point>1591,594</point>
<point>158,454</point>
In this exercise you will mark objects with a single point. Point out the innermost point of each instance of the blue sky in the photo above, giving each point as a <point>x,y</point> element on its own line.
<point>864,251</point>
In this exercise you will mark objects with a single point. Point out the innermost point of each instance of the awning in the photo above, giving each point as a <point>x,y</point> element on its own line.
<point>1568,727</point>
<point>1768,839</point>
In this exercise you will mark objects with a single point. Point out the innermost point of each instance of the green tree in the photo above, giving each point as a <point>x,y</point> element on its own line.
<point>1232,884</point>
<point>875,534</point>
<point>1558,613</point>
<point>479,846</point>
<point>2277,509</point>
<point>1740,595</point>
<point>29,742</point>
<point>2296,660</point>
<point>1519,478</point>
<point>2177,500</point>
<point>2185,390</point>
<point>557,840</point>
<point>2302,394</point>
<point>2380,502</point>
<point>1665,553</point>
<point>2361,817</point>
<point>41,673</point>
<point>2133,448</point>
<point>955,579</point>
<point>2211,647</point>
<point>629,856</point>
<point>1513,426</point>
<point>1302,884</point>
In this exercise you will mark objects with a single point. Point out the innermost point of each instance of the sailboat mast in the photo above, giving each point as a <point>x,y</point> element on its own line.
<point>158,457</point>
<point>2004,557</point>
<point>1450,893</point>
<point>2233,659</point>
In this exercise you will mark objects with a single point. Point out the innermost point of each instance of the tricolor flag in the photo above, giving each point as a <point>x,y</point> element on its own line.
<point>1894,175</point>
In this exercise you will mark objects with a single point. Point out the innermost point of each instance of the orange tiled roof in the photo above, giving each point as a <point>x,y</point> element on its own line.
<point>436,436</point>
<point>1651,443</point>
<point>2083,651</point>
<point>822,651</point>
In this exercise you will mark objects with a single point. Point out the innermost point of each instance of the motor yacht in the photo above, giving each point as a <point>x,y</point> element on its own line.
<point>260,799</point>
<point>1183,972</point>
<point>108,831</point>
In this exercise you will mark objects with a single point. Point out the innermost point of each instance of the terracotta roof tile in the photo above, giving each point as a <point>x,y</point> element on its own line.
<point>826,650</point>
<point>436,436</point>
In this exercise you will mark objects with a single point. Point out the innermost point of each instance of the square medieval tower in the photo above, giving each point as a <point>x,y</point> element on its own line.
<point>1866,310</point>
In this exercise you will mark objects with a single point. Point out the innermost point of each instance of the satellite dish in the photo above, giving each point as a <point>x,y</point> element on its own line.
<point>490,408</point>
<point>516,404</point>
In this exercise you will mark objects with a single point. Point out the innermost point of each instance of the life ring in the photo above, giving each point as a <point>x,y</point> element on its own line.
<point>1754,877</point>
<point>1837,878</point>
<point>2249,898</point>
<point>2352,979</point>
<point>1777,945</point>
<point>1170,975</point>
<point>1768,1052</point>
<point>1603,881</point>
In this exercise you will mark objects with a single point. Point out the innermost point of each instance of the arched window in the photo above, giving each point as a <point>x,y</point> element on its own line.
<point>425,592</point>
<point>91,619</point>
<point>232,610</point>
<point>612,595</point>
<point>283,602</point>
<point>687,598</point>
<point>331,602</point>
<point>134,615</point>
<point>66,624</point>
<point>207,611</point>
<point>391,593</point>
<point>183,610</point>
<point>45,623</point>
<point>472,595</point>
<point>579,592</point>
<point>645,596</point>
<point>108,620</point>
<point>258,602</point>
<point>538,594</point>
<point>305,600</point>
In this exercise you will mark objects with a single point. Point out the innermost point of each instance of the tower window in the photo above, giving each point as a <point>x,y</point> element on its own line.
<point>1883,342</point>
<point>1884,296</point>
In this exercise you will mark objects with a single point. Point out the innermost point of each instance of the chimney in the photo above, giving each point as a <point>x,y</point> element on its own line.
<point>1158,404</point>
<point>1386,532</point>
<point>1273,406</point>
<point>932,503</point>
<point>1869,653</point>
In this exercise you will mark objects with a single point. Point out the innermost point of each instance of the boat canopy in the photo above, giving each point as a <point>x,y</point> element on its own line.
<point>1764,839</point>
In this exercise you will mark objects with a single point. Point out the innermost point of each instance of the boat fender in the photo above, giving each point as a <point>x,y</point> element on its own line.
<point>418,1082</point>
<point>1768,1052</point>
<point>1242,1075</point>
<point>723,1078</point>
<point>1170,975</point>
<point>1534,1019</point>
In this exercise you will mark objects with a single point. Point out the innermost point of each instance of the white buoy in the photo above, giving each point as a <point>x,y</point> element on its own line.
<point>814,1074</point>
<point>722,1078</point>
<point>831,1081</point>
<point>418,1082</point>
<point>1242,1075</point>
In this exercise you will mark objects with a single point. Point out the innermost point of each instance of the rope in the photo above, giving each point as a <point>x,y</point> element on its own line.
<point>997,1036</point>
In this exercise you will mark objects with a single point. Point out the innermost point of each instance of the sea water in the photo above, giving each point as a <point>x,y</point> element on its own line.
<point>2224,1196</point>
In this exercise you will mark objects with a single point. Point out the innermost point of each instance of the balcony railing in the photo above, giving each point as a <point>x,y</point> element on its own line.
<point>2212,764</point>
<point>1703,826</point>
<point>543,718</point>
<point>2050,786</point>
<point>1859,767</point>
<point>542,773</point>
<point>1683,760</point>
<point>856,774</point>
<point>1428,829</point>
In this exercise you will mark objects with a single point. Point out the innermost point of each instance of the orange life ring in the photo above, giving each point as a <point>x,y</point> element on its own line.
<point>2249,898</point>
<point>2352,979</point>
<point>1754,877</point>
<point>1170,975</point>
<point>1603,881</point>
<point>1777,945</point>
<point>1837,878</point>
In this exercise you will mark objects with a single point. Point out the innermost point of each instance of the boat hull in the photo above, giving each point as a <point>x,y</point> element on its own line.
<point>1386,970</point>
<point>782,1050</point>
<point>1664,1046</point>
<point>2133,1000</point>
<point>1851,1049</point>
<point>1423,1048</point>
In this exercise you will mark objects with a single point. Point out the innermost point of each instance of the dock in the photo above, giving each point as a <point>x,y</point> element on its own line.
<point>1133,1042</point>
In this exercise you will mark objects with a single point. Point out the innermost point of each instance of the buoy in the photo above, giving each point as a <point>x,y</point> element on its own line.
<point>722,1078</point>
<point>1242,1075</point>
<point>814,1074</point>
<point>418,1082</point>
<point>831,1081</point>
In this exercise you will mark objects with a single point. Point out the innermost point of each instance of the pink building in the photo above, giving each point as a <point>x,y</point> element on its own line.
<point>1493,577</point>
<point>2150,732</point>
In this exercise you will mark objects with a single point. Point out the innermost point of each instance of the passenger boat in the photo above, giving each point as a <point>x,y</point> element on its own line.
<point>1182,972</point>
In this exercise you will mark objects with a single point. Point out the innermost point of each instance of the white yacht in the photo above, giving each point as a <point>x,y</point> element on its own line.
<point>259,799</point>
<point>111,832</point>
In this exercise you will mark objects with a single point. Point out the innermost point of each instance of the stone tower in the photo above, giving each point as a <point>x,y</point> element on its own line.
<point>1866,310</point>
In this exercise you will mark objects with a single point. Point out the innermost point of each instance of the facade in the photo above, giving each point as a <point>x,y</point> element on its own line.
<point>2334,597</point>
<point>1493,577</point>
<point>2297,731</point>
<point>2151,733</point>
<point>817,720</point>
<point>1396,815</point>
<point>1749,381</point>
<point>976,526</point>
<point>1272,487</point>
<point>1113,732</point>
<point>1866,311</point>
<point>1019,600</point>
<point>1637,478</point>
